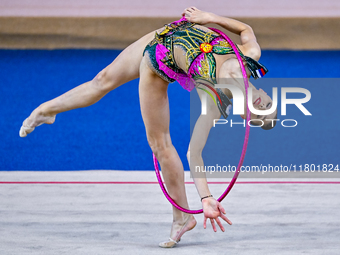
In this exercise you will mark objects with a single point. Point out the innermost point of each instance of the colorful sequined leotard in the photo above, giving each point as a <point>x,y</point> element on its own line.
<point>199,46</point>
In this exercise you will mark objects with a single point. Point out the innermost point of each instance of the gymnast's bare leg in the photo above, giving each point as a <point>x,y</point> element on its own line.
<point>123,69</point>
<point>155,112</point>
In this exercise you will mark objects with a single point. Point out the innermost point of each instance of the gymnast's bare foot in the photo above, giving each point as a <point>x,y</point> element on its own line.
<point>37,118</point>
<point>177,230</point>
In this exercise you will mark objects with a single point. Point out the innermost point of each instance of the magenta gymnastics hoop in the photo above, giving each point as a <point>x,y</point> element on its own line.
<point>245,143</point>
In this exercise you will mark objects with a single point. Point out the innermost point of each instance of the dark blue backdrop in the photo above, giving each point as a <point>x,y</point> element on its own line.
<point>110,134</point>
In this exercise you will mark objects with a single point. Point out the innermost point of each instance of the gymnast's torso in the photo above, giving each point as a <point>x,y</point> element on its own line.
<point>192,54</point>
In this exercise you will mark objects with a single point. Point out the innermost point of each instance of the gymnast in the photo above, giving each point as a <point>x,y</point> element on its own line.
<point>193,55</point>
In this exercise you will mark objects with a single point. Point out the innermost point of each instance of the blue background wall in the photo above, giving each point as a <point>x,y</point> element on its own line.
<point>110,134</point>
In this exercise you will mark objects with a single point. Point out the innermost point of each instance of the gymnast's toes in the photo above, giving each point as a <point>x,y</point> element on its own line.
<point>24,131</point>
<point>39,120</point>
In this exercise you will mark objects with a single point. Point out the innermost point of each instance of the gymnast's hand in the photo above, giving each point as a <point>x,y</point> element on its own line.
<point>195,15</point>
<point>213,209</point>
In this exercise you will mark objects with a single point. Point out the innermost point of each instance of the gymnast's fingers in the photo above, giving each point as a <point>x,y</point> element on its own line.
<point>213,225</point>
<point>186,13</point>
<point>220,207</point>
<point>219,224</point>
<point>205,222</point>
<point>226,219</point>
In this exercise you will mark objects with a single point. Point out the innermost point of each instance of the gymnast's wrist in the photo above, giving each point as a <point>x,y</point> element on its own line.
<point>202,198</point>
<point>212,17</point>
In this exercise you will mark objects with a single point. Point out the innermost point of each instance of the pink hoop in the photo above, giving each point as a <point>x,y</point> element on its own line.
<point>245,143</point>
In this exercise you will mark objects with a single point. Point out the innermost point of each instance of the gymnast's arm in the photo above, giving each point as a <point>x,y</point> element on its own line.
<point>211,207</point>
<point>198,140</point>
<point>249,45</point>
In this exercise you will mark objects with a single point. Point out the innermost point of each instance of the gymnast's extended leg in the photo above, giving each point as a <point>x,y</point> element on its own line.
<point>156,117</point>
<point>123,69</point>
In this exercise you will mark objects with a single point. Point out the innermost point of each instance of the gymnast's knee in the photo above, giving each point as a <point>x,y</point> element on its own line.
<point>103,81</point>
<point>159,146</point>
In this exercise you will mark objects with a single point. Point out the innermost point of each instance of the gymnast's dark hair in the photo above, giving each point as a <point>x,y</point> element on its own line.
<point>270,124</point>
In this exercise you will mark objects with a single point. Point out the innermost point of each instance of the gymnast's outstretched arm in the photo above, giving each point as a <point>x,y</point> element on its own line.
<point>199,137</point>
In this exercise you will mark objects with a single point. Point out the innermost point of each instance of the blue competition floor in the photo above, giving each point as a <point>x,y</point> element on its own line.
<point>111,135</point>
